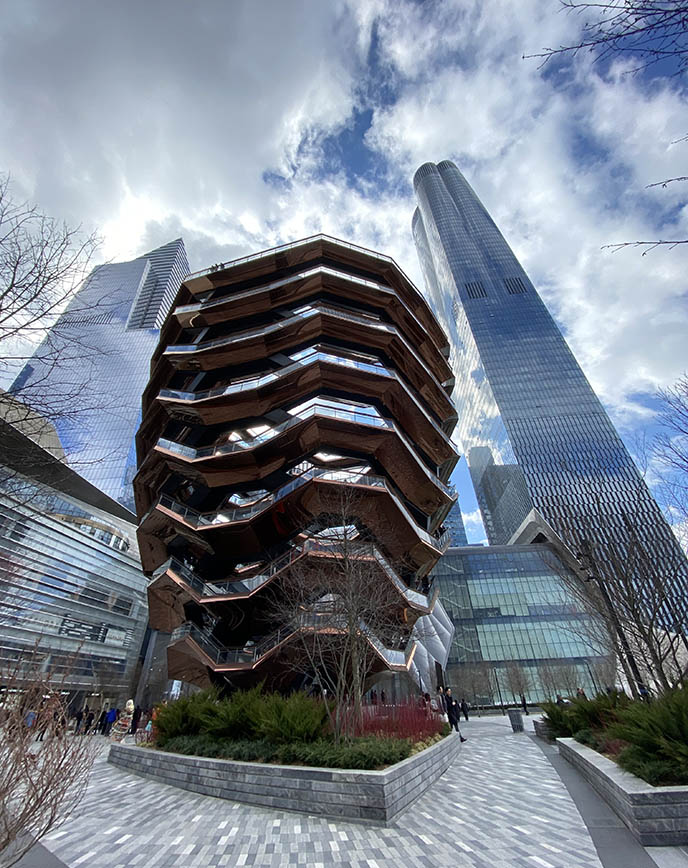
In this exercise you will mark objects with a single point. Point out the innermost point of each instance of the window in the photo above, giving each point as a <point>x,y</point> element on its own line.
<point>514,285</point>
<point>476,290</point>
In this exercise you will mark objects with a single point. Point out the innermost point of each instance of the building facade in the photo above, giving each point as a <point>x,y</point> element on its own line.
<point>89,373</point>
<point>455,526</point>
<point>73,594</point>
<point>513,617</point>
<point>296,428</point>
<point>544,458</point>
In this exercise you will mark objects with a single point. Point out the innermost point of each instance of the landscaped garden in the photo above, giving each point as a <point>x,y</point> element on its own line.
<point>647,738</point>
<point>253,726</point>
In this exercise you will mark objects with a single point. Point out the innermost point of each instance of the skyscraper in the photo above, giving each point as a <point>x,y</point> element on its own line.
<point>109,332</point>
<point>454,524</point>
<point>540,447</point>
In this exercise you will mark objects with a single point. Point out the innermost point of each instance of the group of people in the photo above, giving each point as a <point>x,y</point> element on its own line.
<point>110,721</point>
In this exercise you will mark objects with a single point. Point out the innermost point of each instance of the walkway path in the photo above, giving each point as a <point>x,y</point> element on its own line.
<point>500,805</point>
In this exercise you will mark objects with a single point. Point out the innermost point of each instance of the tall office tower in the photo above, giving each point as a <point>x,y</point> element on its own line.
<point>540,447</point>
<point>89,374</point>
<point>296,430</point>
<point>454,524</point>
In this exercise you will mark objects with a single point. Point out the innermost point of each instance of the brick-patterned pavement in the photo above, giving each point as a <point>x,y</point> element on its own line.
<point>500,805</point>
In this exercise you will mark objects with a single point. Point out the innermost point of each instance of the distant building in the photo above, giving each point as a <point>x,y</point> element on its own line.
<point>71,585</point>
<point>109,332</point>
<point>510,610</point>
<point>454,524</point>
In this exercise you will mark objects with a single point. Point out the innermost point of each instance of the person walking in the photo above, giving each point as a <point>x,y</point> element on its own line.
<point>136,717</point>
<point>110,718</point>
<point>441,700</point>
<point>88,723</point>
<point>524,704</point>
<point>464,708</point>
<point>453,712</point>
<point>78,717</point>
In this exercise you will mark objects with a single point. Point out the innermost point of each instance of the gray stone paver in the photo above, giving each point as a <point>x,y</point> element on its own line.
<point>500,805</point>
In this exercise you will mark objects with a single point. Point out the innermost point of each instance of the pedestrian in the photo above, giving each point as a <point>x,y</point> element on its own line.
<point>453,712</point>
<point>441,700</point>
<point>138,711</point>
<point>580,694</point>
<point>524,704</point>
<point>78,717</point>
<point>102,722</point>
<point>110,718</point>
<point>88,723</point>
<point>382,697</point>
<point>464,708</point>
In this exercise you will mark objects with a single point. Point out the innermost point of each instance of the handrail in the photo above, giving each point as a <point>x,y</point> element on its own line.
<point>359,416</point>
<point>252,654</point>
<point>300,314</point>
<point>232,587</point>
<point>257,382</point>
<point>243,513</point>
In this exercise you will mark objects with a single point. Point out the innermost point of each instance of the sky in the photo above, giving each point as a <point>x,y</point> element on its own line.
<point>241,125</point>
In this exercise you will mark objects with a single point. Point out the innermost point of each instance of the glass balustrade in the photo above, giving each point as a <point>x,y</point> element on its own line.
<point>250,654</point>
<point>311,357</point>
<point>234,587</point>
<point>227,516</point>
<point>302,313</point>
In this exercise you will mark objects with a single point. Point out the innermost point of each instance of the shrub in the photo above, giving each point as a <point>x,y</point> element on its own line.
<point>295,718</point>
<point>193,745</point>
<point>185,716</point>
<point>589,738</point>
<point>597,713</point>
<point>557,719</point>
<point>657,732</point>
<point>361,753</point>
<point>405,720</point>
<point>237,717</point>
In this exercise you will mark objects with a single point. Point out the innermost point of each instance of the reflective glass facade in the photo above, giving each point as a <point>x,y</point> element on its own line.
<point>534,433</point>
<point>454,524</point>
<point>70,580</point>
<point>508,604</point>
<point>129,302</point>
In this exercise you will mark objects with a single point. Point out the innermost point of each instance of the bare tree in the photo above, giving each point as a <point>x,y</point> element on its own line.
<point>343,609</point>
<point>517,678</point>
<point>43,772</point>
<point>42,264</point>
<point>549,679</point>
<point>477,681</point>
<point>650,32</point>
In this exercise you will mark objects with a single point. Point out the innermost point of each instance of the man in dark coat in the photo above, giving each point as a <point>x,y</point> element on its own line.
<point>464,708</point>
<point>453,712</point>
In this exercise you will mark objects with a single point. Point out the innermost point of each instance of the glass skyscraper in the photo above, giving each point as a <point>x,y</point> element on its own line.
<point>541,450</point>
<point>454,524</point>
<point>109,332</point>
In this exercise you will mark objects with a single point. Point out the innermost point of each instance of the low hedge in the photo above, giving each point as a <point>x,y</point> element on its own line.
<point>648,739</point>
<point>361,753</point>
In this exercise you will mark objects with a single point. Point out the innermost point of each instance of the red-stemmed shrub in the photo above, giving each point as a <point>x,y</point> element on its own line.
<point>406,719</point>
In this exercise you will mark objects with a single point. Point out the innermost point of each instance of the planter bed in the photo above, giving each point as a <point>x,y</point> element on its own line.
<point>657,816</point>
<point>378,796</point>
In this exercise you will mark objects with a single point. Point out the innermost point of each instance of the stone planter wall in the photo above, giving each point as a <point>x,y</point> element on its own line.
<point>355,795</point>
<point>542,730</point>
<point>657,816</point>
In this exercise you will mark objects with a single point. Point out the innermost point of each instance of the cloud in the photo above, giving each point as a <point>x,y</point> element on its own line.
<point>242,125</point>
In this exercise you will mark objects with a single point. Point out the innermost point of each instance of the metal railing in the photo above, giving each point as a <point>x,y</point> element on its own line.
<point>243,587</point>
<point>242,513</point>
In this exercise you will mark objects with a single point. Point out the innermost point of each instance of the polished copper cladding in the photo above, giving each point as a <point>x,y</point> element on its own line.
<point>282,380</point>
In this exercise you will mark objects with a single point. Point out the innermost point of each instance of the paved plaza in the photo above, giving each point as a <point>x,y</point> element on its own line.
<point>501,804</point>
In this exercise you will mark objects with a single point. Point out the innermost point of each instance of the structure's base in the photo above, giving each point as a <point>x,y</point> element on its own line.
<point>377,796</point>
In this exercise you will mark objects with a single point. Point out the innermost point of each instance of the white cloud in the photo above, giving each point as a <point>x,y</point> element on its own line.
<point>151,120</point>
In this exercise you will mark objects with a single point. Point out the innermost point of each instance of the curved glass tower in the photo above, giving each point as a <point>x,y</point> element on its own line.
<point>103,344</point>
<point>539,445</point>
